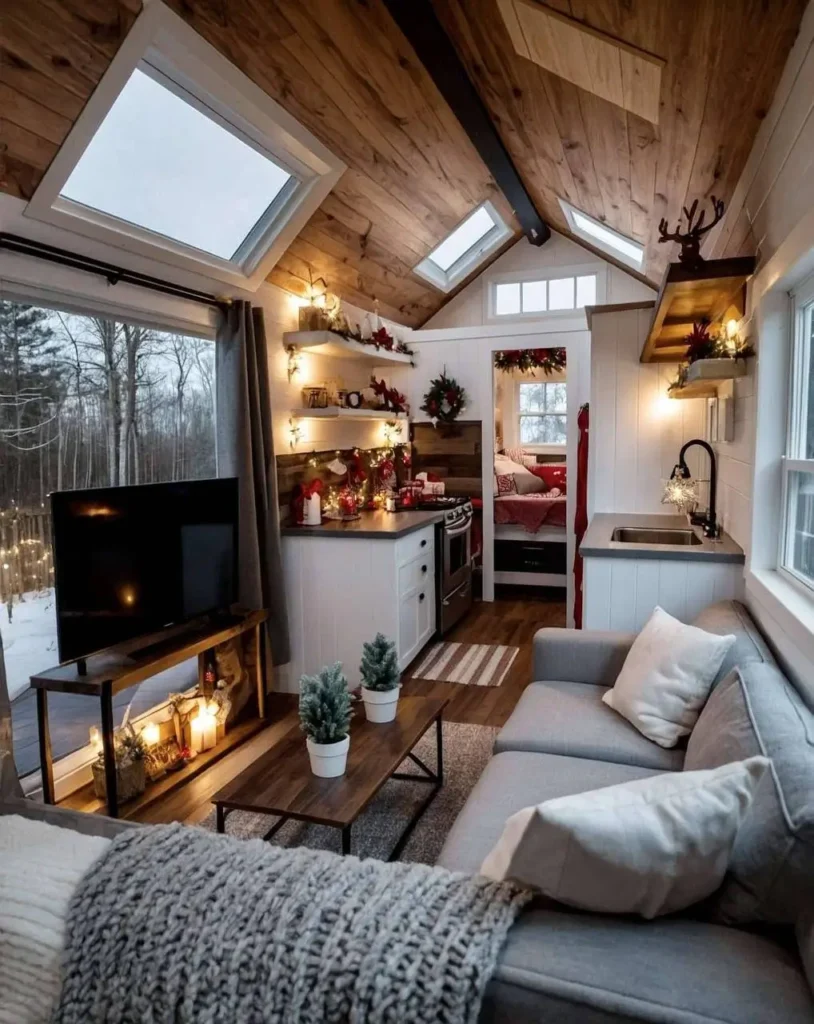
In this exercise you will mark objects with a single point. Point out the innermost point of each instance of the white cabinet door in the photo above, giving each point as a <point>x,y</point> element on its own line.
<point>426,612</point>
<point>408,629</point>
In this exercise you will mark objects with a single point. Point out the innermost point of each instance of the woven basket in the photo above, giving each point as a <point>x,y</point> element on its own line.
<point>131,780</point>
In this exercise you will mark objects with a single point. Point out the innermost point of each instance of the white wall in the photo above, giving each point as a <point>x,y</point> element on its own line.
<point>775,196</point>
<point>468,308</point>
<point>636,431</point>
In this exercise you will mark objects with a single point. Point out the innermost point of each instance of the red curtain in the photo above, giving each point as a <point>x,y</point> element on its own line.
<point>581,518</point>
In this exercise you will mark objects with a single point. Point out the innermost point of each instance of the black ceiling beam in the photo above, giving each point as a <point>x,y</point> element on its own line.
<point>419,23</point>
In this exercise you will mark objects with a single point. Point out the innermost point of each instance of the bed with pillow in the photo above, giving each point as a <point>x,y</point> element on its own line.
<point>530,520</point>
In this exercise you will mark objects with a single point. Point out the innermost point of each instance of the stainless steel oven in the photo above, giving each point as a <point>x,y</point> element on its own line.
<point>454,570</point>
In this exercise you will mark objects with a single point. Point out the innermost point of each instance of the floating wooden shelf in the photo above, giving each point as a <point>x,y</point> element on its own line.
<point>335,412</point>
<point>704,376</point>
<point>686,296</point>
<point>328,343</point>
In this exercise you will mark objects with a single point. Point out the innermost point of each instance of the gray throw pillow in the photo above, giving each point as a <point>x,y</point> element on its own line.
<point>528,483</point>
<point>731,617</point>
<point>756,710</point>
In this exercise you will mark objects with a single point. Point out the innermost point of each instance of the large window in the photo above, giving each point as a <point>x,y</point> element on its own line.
<point>797,542</point>
<point>84,402</point>
<point>542,410</point>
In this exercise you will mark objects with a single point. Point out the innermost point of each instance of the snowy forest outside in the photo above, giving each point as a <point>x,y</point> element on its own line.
<point>85,402</point>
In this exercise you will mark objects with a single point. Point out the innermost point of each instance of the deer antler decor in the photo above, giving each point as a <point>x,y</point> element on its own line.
<point>690,240</point>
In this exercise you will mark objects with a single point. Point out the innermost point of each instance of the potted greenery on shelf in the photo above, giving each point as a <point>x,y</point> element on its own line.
<point>325,713</point>
<point>381,679</point>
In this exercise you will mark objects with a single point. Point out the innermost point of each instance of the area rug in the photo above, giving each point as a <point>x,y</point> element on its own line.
<point>476,664</point>
<point>467,748</point>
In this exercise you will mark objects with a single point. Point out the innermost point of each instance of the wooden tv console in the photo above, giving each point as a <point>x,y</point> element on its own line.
<point>117,668</point>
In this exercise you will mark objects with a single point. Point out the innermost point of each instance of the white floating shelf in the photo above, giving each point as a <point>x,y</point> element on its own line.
<point>335,412</point>
<point>704,376</point>
<point>328,343</point>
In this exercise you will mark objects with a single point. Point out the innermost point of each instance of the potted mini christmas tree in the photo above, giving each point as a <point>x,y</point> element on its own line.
<point>325,712</point>
<point>381,679</point>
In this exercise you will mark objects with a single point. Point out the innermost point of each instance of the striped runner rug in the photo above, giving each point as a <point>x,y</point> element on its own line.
<point>476,664</point>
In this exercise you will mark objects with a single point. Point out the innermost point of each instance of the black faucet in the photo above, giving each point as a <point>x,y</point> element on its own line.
<point>706,520</point>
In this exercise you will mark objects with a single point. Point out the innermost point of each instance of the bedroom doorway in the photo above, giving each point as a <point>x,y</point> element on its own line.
<point>530,480</point>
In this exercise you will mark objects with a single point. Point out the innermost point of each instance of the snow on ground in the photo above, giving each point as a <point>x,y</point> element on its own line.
<point>30,639</point>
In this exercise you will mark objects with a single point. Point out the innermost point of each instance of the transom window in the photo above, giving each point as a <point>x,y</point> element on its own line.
<point>603,237</point>
<point>514,298</point>
<point>160,163</point>
<point>465,248</point>
<point>543,412</point>
<point>797,541</point>
<point>178,156</point>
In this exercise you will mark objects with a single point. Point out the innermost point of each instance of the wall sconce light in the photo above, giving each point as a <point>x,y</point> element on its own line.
<point>391,433</point>
<point>294,362</point>
<point>732,335</point>
<point>294,434</point>
<point>151,733</point>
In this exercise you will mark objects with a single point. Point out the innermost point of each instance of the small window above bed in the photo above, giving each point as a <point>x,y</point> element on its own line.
<point>542,409</point>
<point>553,292</point>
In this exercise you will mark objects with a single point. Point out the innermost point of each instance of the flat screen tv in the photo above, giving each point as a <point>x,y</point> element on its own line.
<point>129,561</point>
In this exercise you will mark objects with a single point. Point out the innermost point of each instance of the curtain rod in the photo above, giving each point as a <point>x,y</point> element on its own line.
<point>111,273</point>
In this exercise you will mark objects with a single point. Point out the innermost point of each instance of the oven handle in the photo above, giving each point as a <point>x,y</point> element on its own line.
<point>461,591</point>
<point>458,530</point>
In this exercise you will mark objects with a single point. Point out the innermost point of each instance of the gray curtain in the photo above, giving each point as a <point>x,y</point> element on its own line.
<point>246,450</point>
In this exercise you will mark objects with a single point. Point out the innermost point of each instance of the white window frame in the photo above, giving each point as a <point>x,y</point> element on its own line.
<point>548,446</point>
<point>446,280</point>
<point>166,47</point>
<point>595,243</point>
<point>598,270</point>
<point>794,461</point>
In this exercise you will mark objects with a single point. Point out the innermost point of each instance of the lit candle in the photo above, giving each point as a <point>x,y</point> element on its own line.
<point>151,733</point>
<point>203,731</point>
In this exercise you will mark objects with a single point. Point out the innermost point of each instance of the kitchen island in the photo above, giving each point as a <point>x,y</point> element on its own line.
<point>625,579</point>
<point>342,591</point>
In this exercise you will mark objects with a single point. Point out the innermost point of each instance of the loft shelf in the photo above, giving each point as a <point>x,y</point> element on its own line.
<point>328,343</point>
<point>704,376</point>
<point>335,412</point>
<point>715,291</point>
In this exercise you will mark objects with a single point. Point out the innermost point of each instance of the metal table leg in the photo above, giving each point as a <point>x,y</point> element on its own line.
<point>46,756</point>
<point>109,750</point>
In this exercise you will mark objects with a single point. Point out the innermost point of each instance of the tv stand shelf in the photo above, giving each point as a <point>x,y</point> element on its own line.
<point>117,668</point>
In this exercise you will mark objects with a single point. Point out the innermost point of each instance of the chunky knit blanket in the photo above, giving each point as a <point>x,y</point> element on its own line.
<point>175,925</point>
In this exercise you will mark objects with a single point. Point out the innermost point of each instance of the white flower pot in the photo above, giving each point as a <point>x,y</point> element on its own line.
<point>380,705</point>
<point>328,760</point>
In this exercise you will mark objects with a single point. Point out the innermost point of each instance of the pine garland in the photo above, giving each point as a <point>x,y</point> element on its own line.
<point>526,360</point>
<point>445,400</point>
<point>380,664</point>
<point>325,705</point>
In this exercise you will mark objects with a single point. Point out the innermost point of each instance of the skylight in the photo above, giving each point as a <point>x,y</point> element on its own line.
<point>603,237</point>
<point>159,163</point>
<point>180,157</point>
<point>467,234</point>
<point>465,247</point>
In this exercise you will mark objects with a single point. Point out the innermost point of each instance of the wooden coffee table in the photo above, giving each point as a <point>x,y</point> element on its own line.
<point>280,782</point>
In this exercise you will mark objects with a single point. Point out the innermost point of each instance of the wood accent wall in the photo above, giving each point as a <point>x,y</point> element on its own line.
<point>451,451</point>
<point>343,68</point>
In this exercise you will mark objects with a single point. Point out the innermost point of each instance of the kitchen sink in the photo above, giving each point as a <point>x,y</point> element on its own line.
<point>654,535</point>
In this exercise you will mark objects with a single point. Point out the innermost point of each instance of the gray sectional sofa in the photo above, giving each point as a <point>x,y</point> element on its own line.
<point>561,966</point>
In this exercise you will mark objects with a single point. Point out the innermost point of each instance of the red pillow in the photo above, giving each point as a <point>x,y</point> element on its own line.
<point>553,473</point>
<point>506,484</point>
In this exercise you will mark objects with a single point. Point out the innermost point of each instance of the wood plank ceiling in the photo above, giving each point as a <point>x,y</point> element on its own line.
<point>344,70</point>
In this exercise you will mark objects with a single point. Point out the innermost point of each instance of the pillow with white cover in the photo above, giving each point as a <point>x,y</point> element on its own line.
<point>667,677</point>
<point>649,847</point>
<point>40,868</point>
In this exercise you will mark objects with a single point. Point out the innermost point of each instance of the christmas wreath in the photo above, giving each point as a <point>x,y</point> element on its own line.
<point>549,360</point>
<point>445,400</point>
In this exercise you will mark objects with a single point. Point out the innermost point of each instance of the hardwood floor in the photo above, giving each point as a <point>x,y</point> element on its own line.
<point>511,620</point>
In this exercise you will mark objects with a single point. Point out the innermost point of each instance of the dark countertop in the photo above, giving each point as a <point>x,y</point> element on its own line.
<point>378,525</point>
<point>597,541</point>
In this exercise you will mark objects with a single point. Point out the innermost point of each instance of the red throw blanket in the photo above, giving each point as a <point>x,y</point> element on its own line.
<point>530,511</point>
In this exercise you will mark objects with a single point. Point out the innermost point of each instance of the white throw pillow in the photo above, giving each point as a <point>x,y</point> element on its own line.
<point>648,847</point>
<point>667,677</point>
